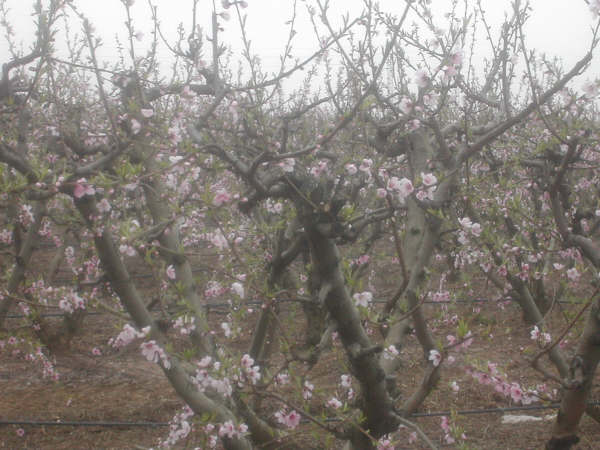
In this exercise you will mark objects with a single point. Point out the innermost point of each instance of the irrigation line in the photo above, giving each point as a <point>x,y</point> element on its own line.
<point>69,423</point>
<point>332,419</point>
<point>215,306</point>
<point>496,410</point>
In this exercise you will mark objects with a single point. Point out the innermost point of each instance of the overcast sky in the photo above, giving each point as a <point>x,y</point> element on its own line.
<point>556,27</point>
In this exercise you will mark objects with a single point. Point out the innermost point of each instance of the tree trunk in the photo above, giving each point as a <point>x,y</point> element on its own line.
<point>581,377</point>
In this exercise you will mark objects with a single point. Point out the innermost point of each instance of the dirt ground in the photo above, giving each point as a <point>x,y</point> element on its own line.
<point>121,386</point>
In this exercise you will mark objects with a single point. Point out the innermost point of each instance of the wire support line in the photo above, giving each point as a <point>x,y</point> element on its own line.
<point>71,423</point>
<point>331,419</point>
<point>213,307</point>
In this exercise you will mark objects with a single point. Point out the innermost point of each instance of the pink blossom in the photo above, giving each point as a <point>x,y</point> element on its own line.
<point>573,274</point>
<point>445,424</point>
<point>319,169</point>
<point>282,379</point>
<point>226,329</point>
<point>227,429</point>
<point>127,250</point>
<point>412,437</point>
<point>595,7</point>
<point>290,420</point>
<point>247,361</point>
<point>154,353</point>
<point>151,351</point>
<point>441,296</point>
<point>82,188</point>
<point>20,432</point>
<point>171,272</point>
<point>345,381</point>
<point>221,197</point>
<point>307,390</point>
<point>363,298</point>
<point>422,79</point>
<point>238,288</point>
<point>414,124</point>
<point>393,184</point>
<point>96,351</point>
<point>253,374</point>
<point>435,357</point>
<point>103,206</point>
<point>476,229</point>
<point>467,340</point>
<point>456,58</point>
<point>334,403</point>
<point>218,240</point>
<point>365,165</point>
<point>127,335</point>
<point>406,105</point>
<point>449,72</point>
<point>363,259</point>
<point>147,113</point>
<point>465,222</point>
<point>483,378</point>
<point>405,188</point>
<point>351,169</point>
<point>468,225</point>
<point>390,352</point>
<point>287,164</point>
<point>429,179</point>
<point>136,127</point>
<point>516,393</point>
<point>385,443</point>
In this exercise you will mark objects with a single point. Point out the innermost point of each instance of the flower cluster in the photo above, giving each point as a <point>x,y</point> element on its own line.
<point>179,428</point>
<point>70,302</point>
<point>185,324</point>
<point>251,371</point>
<point>514,391</point>
<point>537,335</point>
<point>127,335</point>
<point>289,419</point>
<point>209,376</point>
<point>229,430</point>
<point>429,184</point>
<point>401,186</point>
<point>154,353</point>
